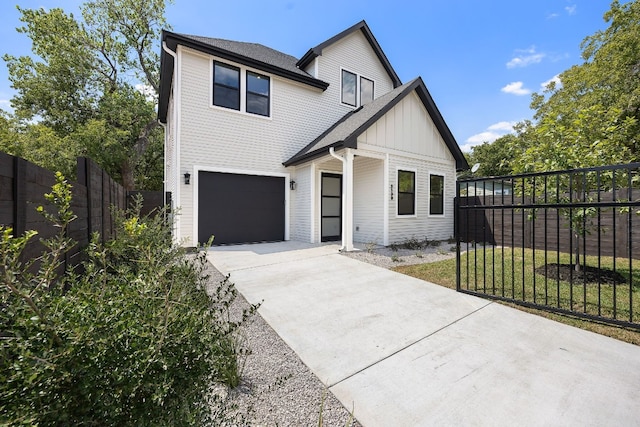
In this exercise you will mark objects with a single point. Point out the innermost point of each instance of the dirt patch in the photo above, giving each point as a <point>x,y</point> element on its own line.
<point>586,274</point>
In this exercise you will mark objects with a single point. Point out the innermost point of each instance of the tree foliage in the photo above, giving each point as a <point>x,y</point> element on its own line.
<point>135,340</point>
<point>88,82</point>
<point>493,157</point>
<point>591,118</point>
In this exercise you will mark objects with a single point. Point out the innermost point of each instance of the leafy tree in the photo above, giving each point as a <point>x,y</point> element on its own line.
<point>84,83</point>
<point>493,157</point>
<point>607,82</point>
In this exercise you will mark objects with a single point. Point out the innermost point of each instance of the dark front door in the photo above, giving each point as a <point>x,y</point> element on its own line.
<point>239,208</point>
<point>331,207</point>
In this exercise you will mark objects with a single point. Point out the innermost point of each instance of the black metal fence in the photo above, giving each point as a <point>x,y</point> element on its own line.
<point>566,241</point>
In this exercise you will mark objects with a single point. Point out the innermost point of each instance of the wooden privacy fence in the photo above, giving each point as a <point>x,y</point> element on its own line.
<point>22,188</point>
<point>498,220</point>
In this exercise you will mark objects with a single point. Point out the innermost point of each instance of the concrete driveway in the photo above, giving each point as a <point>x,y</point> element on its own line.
<point>404,352</point>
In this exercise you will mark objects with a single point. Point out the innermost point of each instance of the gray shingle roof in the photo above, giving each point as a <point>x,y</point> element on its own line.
<point>254,51</point>
<point>344,133</point>
<point>349,127</point>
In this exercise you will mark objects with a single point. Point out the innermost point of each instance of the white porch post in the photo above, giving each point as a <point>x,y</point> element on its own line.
<point>347,185</point>
<point>347,197</point>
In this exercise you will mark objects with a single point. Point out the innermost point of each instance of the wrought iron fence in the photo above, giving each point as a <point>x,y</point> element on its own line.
<point>566,241</point>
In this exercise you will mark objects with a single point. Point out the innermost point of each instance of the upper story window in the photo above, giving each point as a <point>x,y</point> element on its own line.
<point>436,195</point>
<point>257,94</point>
<point>241,90</point>
<point>349,81</point>
<point>356,90</point>
<point>406,192</point>
<point>226,86</point>
<point>366,90</point>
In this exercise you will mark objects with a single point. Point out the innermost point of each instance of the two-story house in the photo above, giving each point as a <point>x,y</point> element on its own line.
<point>263,146</point>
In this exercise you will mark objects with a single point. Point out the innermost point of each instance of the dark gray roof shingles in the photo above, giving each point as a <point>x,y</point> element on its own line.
<point>254,51</point>
<point>350,124</point>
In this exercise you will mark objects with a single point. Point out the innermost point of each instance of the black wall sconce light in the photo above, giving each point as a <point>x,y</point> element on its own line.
<point>292,185</point>
<point>187,178</point>
<point>391,191</point>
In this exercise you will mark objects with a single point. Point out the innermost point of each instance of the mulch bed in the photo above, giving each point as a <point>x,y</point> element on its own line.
<point>586,274</point>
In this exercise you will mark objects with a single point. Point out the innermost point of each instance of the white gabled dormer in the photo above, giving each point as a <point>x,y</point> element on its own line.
<point>354,65</point>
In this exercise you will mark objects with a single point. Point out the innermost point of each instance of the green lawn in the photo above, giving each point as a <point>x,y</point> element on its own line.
<point>510,273</point>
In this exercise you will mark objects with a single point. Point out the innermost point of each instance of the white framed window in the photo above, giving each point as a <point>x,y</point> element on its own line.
<point>406,184</point>
<point>436,194</point>
<point>226,86</point>
<point>239,89</point>
<point>355,90</point>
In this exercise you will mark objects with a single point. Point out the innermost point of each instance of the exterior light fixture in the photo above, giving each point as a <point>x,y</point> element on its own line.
<point>187,178</point>
<point>292,185</point>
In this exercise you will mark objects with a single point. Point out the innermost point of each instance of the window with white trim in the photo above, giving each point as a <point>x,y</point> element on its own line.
<point>436,194</point>
<point>257,94</point>
<point>406,192</point>
<point>226,86</point>
<point>241,90</point>
<point>356,90</point>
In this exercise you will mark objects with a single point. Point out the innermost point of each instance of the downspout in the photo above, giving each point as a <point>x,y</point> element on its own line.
<point>347,208</point>
<point>175,198</point>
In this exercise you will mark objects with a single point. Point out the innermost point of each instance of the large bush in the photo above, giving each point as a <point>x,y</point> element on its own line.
<point>133,340</point>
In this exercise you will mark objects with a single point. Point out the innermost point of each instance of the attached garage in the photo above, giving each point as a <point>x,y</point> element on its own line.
<point>237,208</point>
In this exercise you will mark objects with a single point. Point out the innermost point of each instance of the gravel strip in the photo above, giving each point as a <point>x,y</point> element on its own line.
<point>388,257</point>
<point>277,388</point>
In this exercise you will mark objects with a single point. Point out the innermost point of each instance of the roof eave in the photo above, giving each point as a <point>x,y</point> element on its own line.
<point>441,125</point>
<point>241,59</point>
<point>362,26</point>
<point>166,79</point>
<point>312,155</point>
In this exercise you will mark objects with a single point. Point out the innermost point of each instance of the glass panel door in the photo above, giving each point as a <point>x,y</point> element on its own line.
<point>331,207</point>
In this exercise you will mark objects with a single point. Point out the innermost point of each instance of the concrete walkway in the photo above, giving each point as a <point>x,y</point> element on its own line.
<point>404,352</point>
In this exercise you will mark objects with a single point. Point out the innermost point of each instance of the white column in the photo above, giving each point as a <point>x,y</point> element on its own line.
<point>347,185</point>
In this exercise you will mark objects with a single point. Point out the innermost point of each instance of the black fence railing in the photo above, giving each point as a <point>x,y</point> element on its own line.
<point>566,241</point>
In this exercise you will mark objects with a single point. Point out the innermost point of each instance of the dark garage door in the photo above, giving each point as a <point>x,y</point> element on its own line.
<point>240,208</point>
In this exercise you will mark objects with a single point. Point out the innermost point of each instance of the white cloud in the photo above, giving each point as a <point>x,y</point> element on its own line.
<point>148,91</point>
<point>571,10</point>
<point>525,57</point>
<point>492,133</point>
<point>516,88</point>
<point>502,126</point>
<point>553,16</point>
<point>555,79</point>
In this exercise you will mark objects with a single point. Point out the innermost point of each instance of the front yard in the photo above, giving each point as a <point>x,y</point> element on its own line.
<point>520,274</point>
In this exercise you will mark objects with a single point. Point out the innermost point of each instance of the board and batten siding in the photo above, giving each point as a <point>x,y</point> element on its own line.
<point>408,128</point>
<point>368,200</point>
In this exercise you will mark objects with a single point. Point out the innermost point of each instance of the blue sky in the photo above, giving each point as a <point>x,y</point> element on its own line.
<point>481,60</point>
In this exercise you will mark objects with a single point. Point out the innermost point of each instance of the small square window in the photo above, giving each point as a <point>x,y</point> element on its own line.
<point>349,81</point>
<point>406,192</point>
<point>436,195</point>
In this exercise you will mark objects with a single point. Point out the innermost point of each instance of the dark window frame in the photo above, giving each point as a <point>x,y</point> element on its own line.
<point>256,94</point>
<point>401,194</point>
<point>238,89</point>
<point>355,94</point>
<point>440,196</point>
<point>373,90</point>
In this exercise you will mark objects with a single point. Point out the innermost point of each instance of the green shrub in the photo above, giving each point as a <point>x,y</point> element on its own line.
<point>133,340</point>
